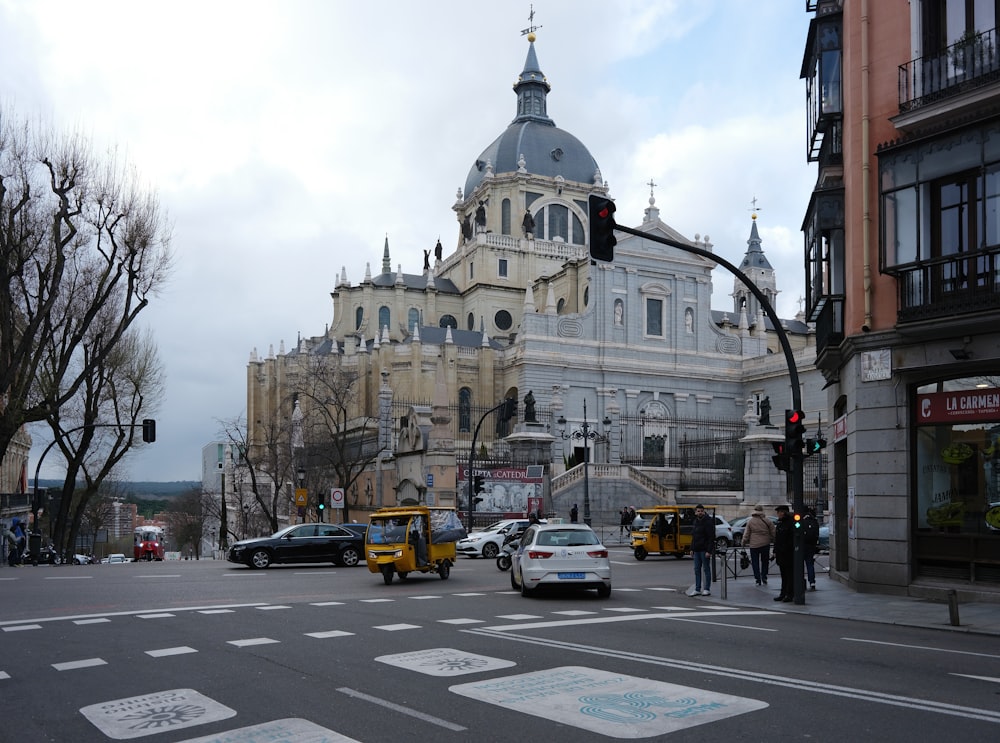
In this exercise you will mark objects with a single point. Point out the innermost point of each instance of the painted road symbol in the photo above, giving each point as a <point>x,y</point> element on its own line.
<point>611,704</point>
<point>444,662</point>
<point>137,717</point>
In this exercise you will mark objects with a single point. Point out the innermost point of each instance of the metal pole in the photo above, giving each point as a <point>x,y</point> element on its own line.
<point>586,467</point>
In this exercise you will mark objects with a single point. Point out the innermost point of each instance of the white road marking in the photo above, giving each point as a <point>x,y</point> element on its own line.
<point>420,598</point>
<point>161,615</point>
<point>68,577</point>
<point>164,711</point>
<point>252,641</point>
<point>75,664</point>
<point>101,620</point>
<point>920,647</point>
<point>624,609</point>
<point>216,611</point>
<point>622,618</point>
<point>460,621</point>
<point>468,594</point>
<point>157,575</point>
<point>377,601</point>
<point>444,662</point>
<point>977,678</point>
<point>518,616</point>
<point>327,603</point>
<point>611,704</point>
<point>866,695</point>
<point>627,590</point>
<point>402,710</point>
<point>575,613</point>
<point>4,675</point>
<point>164,652</point>
<point>329,633</point>
<point>19,627</point>
<point>396,627</point>
<point>293,729</point>
<point>125,613</point>
<point>275,606</point>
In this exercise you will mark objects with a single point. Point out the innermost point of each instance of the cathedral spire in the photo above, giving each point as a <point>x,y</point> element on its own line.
<point>386,263</point>
<point>532,88</point>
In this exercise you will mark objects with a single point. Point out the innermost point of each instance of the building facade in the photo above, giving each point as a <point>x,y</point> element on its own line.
<point>628,365</point>
<point>902,241</point>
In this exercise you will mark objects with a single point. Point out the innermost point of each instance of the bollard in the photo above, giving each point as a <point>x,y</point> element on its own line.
<point>953,607</point>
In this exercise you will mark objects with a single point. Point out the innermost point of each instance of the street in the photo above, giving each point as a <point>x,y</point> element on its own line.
<point>210,651</point>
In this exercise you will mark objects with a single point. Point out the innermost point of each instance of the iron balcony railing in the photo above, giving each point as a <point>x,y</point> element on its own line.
<point>971,63</point>
<point>956,285</point>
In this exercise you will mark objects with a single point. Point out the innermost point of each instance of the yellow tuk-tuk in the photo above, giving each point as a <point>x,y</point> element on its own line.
<point>411,539</point>
<point>665,530</point>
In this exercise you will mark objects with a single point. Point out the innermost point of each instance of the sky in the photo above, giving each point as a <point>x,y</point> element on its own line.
<point>286,141</point>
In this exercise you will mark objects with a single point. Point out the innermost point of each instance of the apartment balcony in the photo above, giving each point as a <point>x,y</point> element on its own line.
<point>957,287</point>
<point>959,81</point>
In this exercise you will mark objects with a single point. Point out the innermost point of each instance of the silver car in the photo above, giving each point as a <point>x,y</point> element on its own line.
<point>567,555</point>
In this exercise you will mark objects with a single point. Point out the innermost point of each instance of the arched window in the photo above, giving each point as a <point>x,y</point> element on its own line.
<point>413,318</point>
<point>505,217</point>
<point>359,316</point>
<point>471,323</point>
<point>558,221</point>
<point>383,318</point>
<point>448,321</point>
<point>465,410</point>
<point>579,238</point>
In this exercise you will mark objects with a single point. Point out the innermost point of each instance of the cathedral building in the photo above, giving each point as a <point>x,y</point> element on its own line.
<point>627,365</point>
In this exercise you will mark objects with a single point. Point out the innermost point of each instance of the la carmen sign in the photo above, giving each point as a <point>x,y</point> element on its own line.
<point>966,406</point>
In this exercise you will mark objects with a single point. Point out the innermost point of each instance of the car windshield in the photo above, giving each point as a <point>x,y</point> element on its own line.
<point>566,538</point>
<point>496,527</point>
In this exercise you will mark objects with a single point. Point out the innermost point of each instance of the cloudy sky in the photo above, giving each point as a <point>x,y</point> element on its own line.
<point>287,140</point>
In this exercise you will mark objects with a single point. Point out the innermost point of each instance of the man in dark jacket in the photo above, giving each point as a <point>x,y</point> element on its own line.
<point>784,553</point>
<point>702,547</point>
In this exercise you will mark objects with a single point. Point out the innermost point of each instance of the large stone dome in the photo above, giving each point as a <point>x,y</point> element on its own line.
<point>548,150</point>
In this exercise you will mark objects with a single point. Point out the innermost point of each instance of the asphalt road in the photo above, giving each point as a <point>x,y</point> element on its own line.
<point>181,651</point>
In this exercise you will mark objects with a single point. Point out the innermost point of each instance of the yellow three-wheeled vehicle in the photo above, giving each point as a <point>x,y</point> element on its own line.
<point>412,539</point>
<point>666,530</point>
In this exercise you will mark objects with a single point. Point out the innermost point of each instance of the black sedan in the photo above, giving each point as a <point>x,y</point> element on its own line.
<point>301,543</point>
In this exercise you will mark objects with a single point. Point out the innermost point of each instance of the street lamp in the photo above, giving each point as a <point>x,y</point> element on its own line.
<point>588,436</point>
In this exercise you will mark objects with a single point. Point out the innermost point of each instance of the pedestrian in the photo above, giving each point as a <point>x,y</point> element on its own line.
<point>810,545</point>
<point>573,513</point>
<point>625,523</point>
<point>702,547</point>
<point>11,546</point>
<point>784,553</point>
<point>758,534</point>
<point>21,539</point>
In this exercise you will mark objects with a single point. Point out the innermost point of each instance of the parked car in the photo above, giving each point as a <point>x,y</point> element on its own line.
<point>81,560</point>
<point>487,543</point>
<point>560,556</point>
<point>357,527</point>
<point>116,559</point>
<point>739,526</point>
<point>301,543</point>
<point>723,533</point>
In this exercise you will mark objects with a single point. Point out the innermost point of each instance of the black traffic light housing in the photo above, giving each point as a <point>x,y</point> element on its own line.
<point>781,459</point>
<point>149,430</point>
<point>477,488</point>
<point>795,427</point>
<point>508,411</point>
<point>602,228</point>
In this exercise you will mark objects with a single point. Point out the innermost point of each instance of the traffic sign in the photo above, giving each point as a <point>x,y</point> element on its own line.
<point>301,496</point>
<point>336,497</point>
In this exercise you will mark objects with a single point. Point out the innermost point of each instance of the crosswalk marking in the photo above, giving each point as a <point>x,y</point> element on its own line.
<point>19,627</point>
<point>164,652</point>
<point>75,664</point>
<point>99,620</point>
<point>161,615</point>
<point>329,633</point>
<point>252,641</point>
<point>396,627</point>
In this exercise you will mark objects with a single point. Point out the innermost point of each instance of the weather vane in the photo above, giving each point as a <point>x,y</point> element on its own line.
<point>530,30</point>
<point>754,208</point>
<point>651,187</point>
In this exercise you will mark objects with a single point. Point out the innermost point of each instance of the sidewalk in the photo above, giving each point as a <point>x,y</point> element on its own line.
<point>833,599</point>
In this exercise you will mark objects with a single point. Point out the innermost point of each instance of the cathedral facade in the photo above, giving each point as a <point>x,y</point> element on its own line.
<point>628,366</point>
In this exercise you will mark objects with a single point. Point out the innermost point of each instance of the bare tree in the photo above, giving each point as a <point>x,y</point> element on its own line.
<point>98,426</point>
<point>81,244</point>
<point>187,521</point>
<point>269,467</point>
<point>340,437</point>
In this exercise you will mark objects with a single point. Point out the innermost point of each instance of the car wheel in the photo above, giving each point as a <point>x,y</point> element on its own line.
<point>490,551</point>
<point>604,592</point>
<point>260,559</point>
<point>640,553</point>
<point>350,557</point>
<point>513,582</point>
<point>503,562</point>
<point>721,544</point>
<point>525,591</point>
<point>387,571</point>
<point>444,570</point>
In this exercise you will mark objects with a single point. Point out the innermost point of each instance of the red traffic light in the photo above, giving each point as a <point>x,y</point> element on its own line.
<point>601,213</point>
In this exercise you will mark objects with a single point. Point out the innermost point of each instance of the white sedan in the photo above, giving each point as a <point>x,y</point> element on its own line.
<point>567,555</point>
<point>487,543</point>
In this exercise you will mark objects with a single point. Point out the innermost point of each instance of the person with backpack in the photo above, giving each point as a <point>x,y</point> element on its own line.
<point>758,536</point>
<point>810,545</point>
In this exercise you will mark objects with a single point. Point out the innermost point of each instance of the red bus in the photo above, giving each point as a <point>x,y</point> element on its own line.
<point>148,543</point>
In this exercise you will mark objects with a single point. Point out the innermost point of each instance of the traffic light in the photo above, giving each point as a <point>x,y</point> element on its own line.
<point>797,518</point>
<point>477,488</point>
<point>794,428</point>
<point>602,228</point>
<point>781,459</point>
<point>814,446</point>
<point>149,430</point>
<point>509,410</point>
<point>321,504</point>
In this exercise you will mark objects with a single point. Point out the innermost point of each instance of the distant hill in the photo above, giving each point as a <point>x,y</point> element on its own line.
<point>144,490</point>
